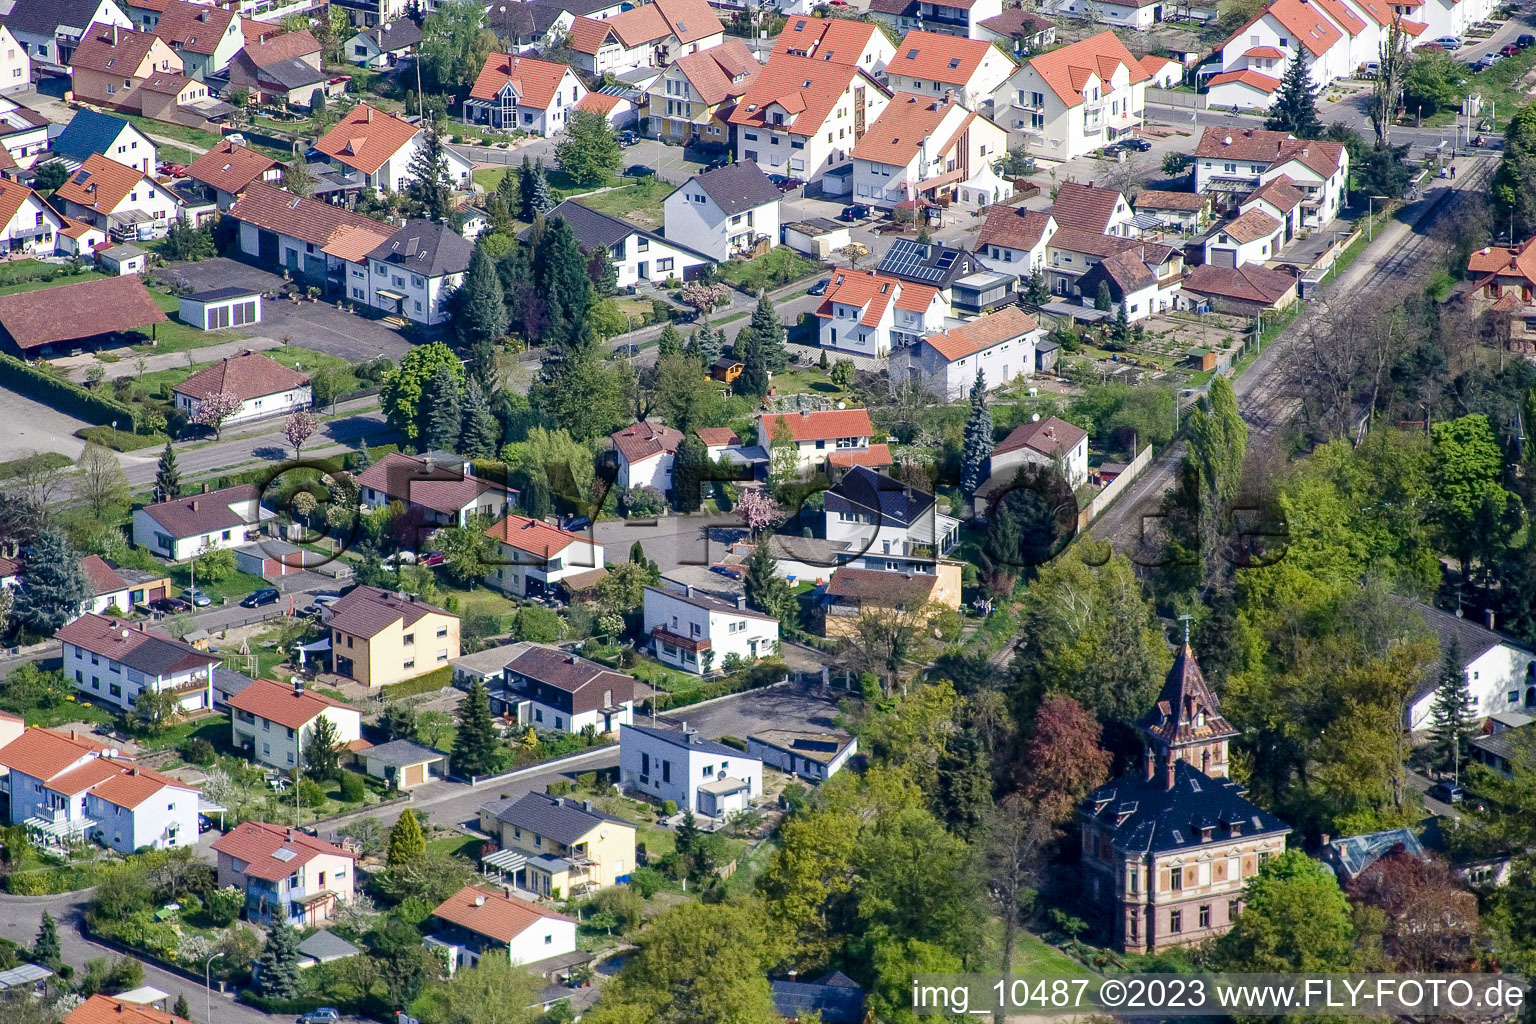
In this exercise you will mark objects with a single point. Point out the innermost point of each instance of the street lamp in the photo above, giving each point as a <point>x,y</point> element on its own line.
<point>208,988</point>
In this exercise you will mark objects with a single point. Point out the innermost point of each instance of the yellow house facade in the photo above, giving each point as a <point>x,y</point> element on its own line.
<point>563,846</point>
<point>852,592</point>
<point>379,637</point>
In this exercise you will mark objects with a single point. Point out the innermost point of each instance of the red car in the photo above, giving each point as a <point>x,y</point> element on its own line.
<point>1510,50</point>
<point>174,170</point>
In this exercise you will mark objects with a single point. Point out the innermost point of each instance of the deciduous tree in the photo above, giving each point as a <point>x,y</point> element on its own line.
<point>215,410</point>
<point>405,385</point>
<point>589,150</point>
<point>101,485</point>
<point>1063,759</point>
<point>298,428</point>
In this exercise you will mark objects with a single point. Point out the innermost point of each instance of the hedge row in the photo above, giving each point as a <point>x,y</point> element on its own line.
<point>63,395</point>
<point>49,881</point>
<point>762,674</point>
<point>429,683</point>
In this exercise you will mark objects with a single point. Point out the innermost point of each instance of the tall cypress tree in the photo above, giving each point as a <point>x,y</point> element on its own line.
<point>474,749</point>
<point>440,405</point>
<point>1451,714</point>
<point>560,275</point>
<point>427,183</point>
<point>53,587</point>
<point>168,475</point>
<point>479,433</point>
<point>978,438</point>
<point>406,842</point>
<point>480,308</point>
<point>46,950</point>
<point>525,191</point>
<point>769,333</point>
<point>277,969</point>
<point>1295,106</point>
<point>543,197</point>
<point>754,379</point>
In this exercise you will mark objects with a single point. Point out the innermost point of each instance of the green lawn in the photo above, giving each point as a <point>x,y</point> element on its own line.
<point>235,586</point>
<point>292,356</point>
<point>560,183</point>
<point>15,283</point>
<point>214,729</point>
<point>640,203</point>
<point>808,382</point>
<point>175,336</point>
<point>779,266</point>
<point>457,845</point>
<point>194,136</point>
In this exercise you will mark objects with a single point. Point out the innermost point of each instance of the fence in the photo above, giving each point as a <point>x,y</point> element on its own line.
<point>1102,500</point>
<point>1172,98</point>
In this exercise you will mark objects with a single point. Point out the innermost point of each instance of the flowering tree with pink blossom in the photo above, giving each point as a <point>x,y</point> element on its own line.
<point>759,511</point>
<point>298,428</point>
<point>213,410</point>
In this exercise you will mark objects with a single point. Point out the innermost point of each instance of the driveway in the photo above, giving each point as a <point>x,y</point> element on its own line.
<point>670,541</point>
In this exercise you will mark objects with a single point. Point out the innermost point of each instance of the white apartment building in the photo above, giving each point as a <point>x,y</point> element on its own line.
<point>111,661</point>
<point>1231,163</point>
<point>1074,100</point>
<point>957,18</point>
<point>801,117</point>
<point>696,774</point>
<point>922,147</point>
<point>697,633</point>
<point>416,269</point>
<point>929,63</point>
<point>724,212</point>
<point>873,315</point>
<point>1254,59</point>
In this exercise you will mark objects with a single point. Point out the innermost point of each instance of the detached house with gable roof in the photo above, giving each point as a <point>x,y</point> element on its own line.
<point>51,30</point>
<point>802,116</point>
<point>871,314</point>
<point>272,721</point>
<point>64,787</point>
<point>563,692</point>
<point>314,241</point>
<point>532,556</point>
<point>940,65</point>
<point>443,494</point>
<point>264,387</point>
<point>1073,252</point>
<point>926,151</point>
<point>1253,237</point>
<point>27,224</point>
<point>380,146</point>
<point>286,875</point>
<point>1087,207</point>
<point>1143,278</point>
<point>878,523</point>
<point>1013,240</point>
<point>1038,443</point>
<point>1076,99</point>
<point>125,203</point>
<point>181,528</point>
<point>817,435</point>
<point>379,637</point>
<point>566,846</point>
<point>536,96</point>
<point>645,452</point>
<point>724,212</point>
<point>638,254</point>
<point>282,68</point>
<point>91,132</point>
<point>204,36</point>
<point>653,34</point>
<point>858,44</point>
<point>479,922</point>
<point>229,168</point>
<point>1000,344</point>
<point>1254,58</point>
<point>111,62</point>
<point>965,283</point>
<point>114,662</point>
<point>690,100</point>
<point>1230,163</point>
<point>412,272</point>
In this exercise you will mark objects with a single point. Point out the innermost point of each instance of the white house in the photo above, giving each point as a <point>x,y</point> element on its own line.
<point>817,434</point>
<point>724,212</point>
<point>927,148</point>
<point>91,132</point>
<point>1254,58</point>
<point>548,688</point>
<point>383,45</point>
<point>536,96</point>
<point>936,65</point>
<point>15,64</point>
<point>802,116</point>
<point>65,787</point>
<point>1102,211</point>
<point>1163,72</point>
<point>23,131</point>
<point>113,196</point>
<point>205,37</point>
<point>273,722</point>
<point>415,269</point>
<point>950,17</point>
<point>870,314</point>
<point>442,493</point>
<point>1072,252</point>
<point>1253,237</point>
<point>859,44</point>
<point>380,146</point>
<point>115,662</point>
<point>480,922</point>
<point>645,452</point>
<point>696,774</point>
<point>1000,344</point>
<point>1231,163</point>
<point>1281,200</point>
<point>812,756</point>
<point>532,556</point>
<point>29,224</point>
<point>1014,240</point>
<point>874,521</point>
<point>51,29</point>
<point>1143,278</point>
<point>1040,443</point>
<point>1074,100</point>
<point>263,386</point>
<point>638,254</point>
<point>180,528</point>
<point>697,633</point>
<point>653,34</point>
<point>1501,671</point>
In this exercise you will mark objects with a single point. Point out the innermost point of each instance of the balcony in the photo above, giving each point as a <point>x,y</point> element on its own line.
<point>192,686</point>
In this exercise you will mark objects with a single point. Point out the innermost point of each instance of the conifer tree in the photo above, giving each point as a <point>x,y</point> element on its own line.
<point>688,473</point>
<point>53,587</point>
<point>754,379</point>
<point>543,198</point>
<point>277,969</point>
<point>669,344</point>
<point>46,950</point>
<point>1036,291</point>
<point>978,438</point>
<point>407,844</point>
<point>767,591</point>
<point>637,553</point>
<point>474,749</point>
<point>1451,714</point>
<point>479,433</point>
<point>560,276</point>
<point>526,192</point>
<point>769,333</point>
<point>427,185</point>
<point>364,456</point>
<point>479,306</point>
<point>168,475</point>
<point>706,344</point>
<point>182,1009</point>
<point>1295,106</point>
<point>440,405</point>
<point>1102,300</point>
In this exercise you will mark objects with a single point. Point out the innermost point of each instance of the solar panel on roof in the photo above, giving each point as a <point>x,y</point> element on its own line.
<point>948,260</point>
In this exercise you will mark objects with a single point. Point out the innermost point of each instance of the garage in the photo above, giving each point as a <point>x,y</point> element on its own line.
<point>404,764</point>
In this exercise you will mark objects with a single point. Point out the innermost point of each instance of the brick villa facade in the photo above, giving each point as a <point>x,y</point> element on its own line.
<point>1167,849</point>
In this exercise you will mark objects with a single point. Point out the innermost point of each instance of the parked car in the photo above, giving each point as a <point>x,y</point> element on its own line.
<point>1370,69</point>
<point>628,138</point>
<point>639,171</point>
<point>1510,50</point>
<point>257,598</point>
<point>856,212</point>
<point>173,170</point>
<point>1490,59</point>
<point>820,287</point>
<point>1450,42</point>
<point>170,605</point>
<point>578,524</point>
<point>324,1015</point>
<point>204,823</point>
<point>1446,792</point>
<point>197,597</point>
<point>432,558</point>
<point>729,572</point>
<point>785,184</point>
<point>1525,40</point>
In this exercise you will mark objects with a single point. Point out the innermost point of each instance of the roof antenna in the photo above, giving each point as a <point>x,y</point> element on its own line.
<point>1185,619</point>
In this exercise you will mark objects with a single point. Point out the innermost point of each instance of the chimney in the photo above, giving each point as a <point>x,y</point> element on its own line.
<point>570,659</point>
<point>114,35</point>
<point>194,504</point>
<point>1151,759</point>
<point>205,488</point>
<point>806,413</point>
<point>1488,617</point>
<point>367,114</point>
<point>793,974</point>
<point>687,589</point>
<point>134,771</point>
<point>74,734</point>
<point>1327,840</point>
<point>586,805</point>
<point>741,602</point>
<point>1172,763</point>
<point>298,687</point>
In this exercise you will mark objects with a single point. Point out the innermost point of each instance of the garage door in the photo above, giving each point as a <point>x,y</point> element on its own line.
<point>1223,257</point>
<point>266,246</point>
<point>156,593</point>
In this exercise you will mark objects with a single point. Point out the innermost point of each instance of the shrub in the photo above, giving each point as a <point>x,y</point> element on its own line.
<point>224,905</point>
<point>646,881</point>
<point>310,793</point>
<point>353,790</point>
<point>669,807</point>
<point>197,751</point>
<point>587,780</point>
<point>735,741</point>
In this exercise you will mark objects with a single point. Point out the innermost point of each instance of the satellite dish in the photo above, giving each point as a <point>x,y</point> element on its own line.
<point>1035,418</point>
<point>842,405</point>
<point>125,632</point>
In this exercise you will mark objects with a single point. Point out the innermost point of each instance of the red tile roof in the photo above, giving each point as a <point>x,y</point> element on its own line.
<point>645,440</point>
<point>1247,76</point>
<point>873,457</point>
<point>837,40</point>
<point>492,914</point>
<point>1248,283</point>
<point>1156,199</point>
<point>101,184</point>
<point>49,315</point>
<point>1013,228</point>
<point>943,58</point>
<point>720,72</point>
<point>1251,226</point>
<point>13,196</point>
<point>589,35</point>
<point>257,842</point>
<point>104,579</point>
<point>1343,16</point>
<point>689,20</point>
<point>825,425</point>
<point>1085,206</point>
<point>46,753</point>
<point>368,611</point>
<point>873,293</point>
<point>532,536</point>
<point>130,785</point>
<point>806,88</point>
<point>1279,193</point>
<point>1268,52</point>
<point>230,167</point>
<point>245,375</point>
<point>1505,261</point>
<point>107,1010</point>
<point>1303,21</point>
<point>366,137</point>
<point>308,220</point>
<point>1153,65</point>
<point>111,49</point>
<point>982,333</point>
<point>599,103</point>
<point>134,645</point>
<point>712,436</point>
<point>280,703</point>
<point>534,81</point>
<point>1050,436</point>
<point>204,513</point>
<point>1066,70</point>
<point>899,132</point>
<point>196,28</point>
<point>266,50</point>
<point>409,480</point>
